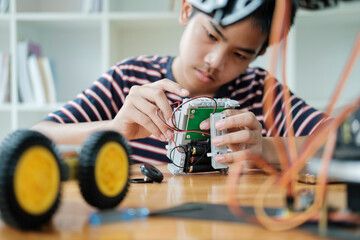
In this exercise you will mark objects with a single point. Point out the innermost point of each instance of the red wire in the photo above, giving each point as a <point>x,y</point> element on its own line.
<point>175,129</point>
<point>201,96</point>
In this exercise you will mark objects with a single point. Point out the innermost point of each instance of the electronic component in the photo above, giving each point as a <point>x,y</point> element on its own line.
<point>191,150</point>
<point>348,138</point>
<point>353,196</point>
<point>214,149</point>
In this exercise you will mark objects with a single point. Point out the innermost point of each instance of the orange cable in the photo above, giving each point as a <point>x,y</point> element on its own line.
<point>317,140</point>
<point>296,219</point>
<point>269,86</point>
<point>312,145</point>
<point>290,140</point>
<point>345,75</point>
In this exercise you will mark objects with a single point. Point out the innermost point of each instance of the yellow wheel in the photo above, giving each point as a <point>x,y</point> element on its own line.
<point>104,169</point>
<point>29,179</point>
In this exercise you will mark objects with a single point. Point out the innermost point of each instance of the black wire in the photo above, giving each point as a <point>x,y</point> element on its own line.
<point>161,119</point>
<point>172,161</point>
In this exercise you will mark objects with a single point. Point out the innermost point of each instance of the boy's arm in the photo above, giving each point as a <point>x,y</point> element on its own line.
<point>269,147</point>
<point>70,133</point>
<point>136,119</point>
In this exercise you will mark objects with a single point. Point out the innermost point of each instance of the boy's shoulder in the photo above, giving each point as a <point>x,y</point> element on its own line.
<point>255,70</point>
<point>253,74</point>
<point>142,69</point>
<point>148,61</point>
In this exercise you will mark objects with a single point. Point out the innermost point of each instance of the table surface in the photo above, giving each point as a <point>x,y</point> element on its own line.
<point>71,219</point>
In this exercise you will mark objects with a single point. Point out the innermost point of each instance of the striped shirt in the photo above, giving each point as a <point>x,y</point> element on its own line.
<point>106,96</point>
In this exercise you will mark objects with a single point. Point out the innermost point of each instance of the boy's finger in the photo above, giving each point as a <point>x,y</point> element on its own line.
<point>170,86</point>
<point>242,136</point>
<point>247,119</point>
<point>150,110</point>
<point>205,125</point>
<point>146,122</point>
<point>158,98</point>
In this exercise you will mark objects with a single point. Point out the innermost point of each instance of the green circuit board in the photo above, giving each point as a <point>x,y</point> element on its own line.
<point>196,116</point>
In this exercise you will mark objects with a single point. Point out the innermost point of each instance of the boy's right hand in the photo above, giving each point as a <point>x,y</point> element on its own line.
<point>138,118</point>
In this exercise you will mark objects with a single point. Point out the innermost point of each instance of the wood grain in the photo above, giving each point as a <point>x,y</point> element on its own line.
<point>71,219</point>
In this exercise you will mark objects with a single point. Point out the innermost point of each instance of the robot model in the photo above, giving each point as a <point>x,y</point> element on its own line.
<point>191,150</point>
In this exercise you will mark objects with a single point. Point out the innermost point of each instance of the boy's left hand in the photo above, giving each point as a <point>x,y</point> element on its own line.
<point>244,136</point>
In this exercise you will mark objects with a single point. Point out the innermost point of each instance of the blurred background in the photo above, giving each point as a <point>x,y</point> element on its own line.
<point>50,50</point>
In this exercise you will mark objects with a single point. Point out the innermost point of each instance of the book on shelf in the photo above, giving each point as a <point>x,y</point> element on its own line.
<point>36,80</point>
<point>91,6</point>
<point>4,77</point>
<point>48,70</point>
<point>97,6</point>
<point>36,75</point>
<point>24,49</point>
<point>4,6</point>
<point>43,78</point>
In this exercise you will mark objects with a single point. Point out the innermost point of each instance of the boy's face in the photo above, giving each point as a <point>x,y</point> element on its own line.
<point>211,55</point>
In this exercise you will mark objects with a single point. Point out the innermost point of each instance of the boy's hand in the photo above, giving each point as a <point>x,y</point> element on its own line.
<point>244,136</point>
<point>138,118</point>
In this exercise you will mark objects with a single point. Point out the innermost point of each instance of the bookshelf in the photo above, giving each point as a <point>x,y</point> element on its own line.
<point>84,45</point>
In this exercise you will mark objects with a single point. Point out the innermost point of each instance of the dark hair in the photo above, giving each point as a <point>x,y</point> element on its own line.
<point>262,17</point>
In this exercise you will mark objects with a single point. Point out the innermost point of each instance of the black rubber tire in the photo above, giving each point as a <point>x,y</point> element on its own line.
<point>12,148</point>
<point>87,162</point>
<point>152,172</point>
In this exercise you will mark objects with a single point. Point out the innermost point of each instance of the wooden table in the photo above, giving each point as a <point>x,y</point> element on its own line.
<point>71,219</point>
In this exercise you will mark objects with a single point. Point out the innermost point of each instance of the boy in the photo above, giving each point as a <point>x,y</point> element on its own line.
<point>215,50</point>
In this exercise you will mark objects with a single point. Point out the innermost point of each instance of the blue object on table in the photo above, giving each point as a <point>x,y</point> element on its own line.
<point>128,214</point>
